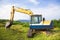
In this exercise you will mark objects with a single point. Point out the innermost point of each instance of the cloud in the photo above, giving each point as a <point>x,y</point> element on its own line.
<point>34,2</point>
<point>6,9</point>
<point>50,12</point>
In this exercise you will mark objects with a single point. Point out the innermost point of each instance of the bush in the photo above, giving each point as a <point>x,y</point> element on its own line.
<point>56,23</point>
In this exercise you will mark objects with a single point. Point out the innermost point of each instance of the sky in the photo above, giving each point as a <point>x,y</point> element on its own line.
<point>50,9</point>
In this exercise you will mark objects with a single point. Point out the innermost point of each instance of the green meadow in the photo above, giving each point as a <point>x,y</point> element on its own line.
<point>18,31</point>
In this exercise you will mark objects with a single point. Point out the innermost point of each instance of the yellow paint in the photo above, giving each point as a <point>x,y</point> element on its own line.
<point>46,22</point>
<point>25,11</point>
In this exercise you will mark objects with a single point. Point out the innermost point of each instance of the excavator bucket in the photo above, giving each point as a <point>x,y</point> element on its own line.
<point>8,24</point>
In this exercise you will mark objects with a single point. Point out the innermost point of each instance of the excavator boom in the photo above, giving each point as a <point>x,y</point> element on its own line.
<point>25,11</point>
<point>21,10</point>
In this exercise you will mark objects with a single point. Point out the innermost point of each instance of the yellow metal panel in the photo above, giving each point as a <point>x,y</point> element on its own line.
<point>25,11</point>
<point>46,22</point>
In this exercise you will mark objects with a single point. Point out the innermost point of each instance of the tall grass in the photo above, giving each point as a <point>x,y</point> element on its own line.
<point>18,31</point>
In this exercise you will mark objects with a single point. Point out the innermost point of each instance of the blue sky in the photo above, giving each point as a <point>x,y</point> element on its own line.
<point>50,9</point>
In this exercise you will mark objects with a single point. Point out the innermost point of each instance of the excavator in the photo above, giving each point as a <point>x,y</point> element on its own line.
<point>36,21</point>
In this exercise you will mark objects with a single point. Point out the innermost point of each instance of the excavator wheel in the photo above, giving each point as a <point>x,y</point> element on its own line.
<point>8,24</point>
<point>30,33</point>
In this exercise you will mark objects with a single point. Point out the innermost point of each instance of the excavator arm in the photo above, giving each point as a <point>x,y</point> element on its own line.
<point>21,10</point>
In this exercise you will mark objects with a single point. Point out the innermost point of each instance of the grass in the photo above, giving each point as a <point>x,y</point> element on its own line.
<point>18,31</point>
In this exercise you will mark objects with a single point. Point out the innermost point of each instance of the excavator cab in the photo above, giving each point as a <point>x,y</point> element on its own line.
<point>36,19</point>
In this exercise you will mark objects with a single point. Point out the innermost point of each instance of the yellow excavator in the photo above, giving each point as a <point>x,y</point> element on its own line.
<point>36,21</point>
